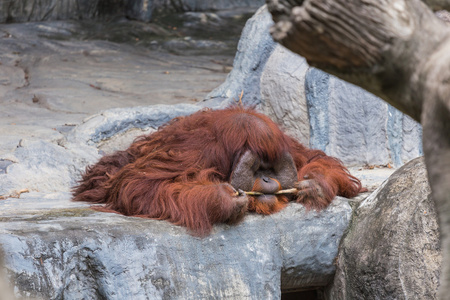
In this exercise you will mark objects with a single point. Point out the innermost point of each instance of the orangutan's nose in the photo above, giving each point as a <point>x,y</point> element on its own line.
<point>266,185</point>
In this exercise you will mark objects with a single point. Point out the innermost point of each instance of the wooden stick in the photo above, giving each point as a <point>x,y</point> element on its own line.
<point>280,192</point>
<point>288,191</point>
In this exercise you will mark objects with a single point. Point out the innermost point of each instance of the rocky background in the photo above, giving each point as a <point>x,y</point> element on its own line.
<point>73,90</point>
<point>142,10</point>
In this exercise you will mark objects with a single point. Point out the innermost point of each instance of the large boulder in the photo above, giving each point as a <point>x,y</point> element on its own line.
<point>391,249</point>
<point>56,249</point>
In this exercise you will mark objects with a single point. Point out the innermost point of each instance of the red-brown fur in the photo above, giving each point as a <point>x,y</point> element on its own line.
<point>181,172</point>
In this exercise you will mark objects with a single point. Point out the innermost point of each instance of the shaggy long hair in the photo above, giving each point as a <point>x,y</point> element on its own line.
<point>181,172</point>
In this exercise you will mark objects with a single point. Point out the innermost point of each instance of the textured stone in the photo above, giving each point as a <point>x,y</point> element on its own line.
<point>41,166</point>
<point>26,11</point>
<point>283,93</point>
<point>253,51</point>
<point>392,249</point>
<point>108,123</point>
<point>203,5</point>
<point>121,141</point>
<point>143,10</point>
<point>76,253</point>
<point>357,131</point>
<point>357,127</point>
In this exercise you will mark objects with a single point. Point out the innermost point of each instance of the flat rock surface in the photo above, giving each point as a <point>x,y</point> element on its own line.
<point>72,252</point>
<point>55,74</point>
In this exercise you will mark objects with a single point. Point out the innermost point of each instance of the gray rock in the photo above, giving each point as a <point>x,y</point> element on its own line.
<point>356,130</point>
<point>26,11</point>
<point>198,19</point>
<point>108,123</point>
<point>143,10</point>
<point>283,93</point>
<point>204,32</point>
<point>148,10</point>
<point>120,141</point>
<point>253,51</point>
<point>392,249</point>
<point>204,5</point>
<point>192,45</point>
<point>67,252</point>
<point>41,166</point>
<point>357,127</point>
<point>371,178</point>
<point>7,293</point>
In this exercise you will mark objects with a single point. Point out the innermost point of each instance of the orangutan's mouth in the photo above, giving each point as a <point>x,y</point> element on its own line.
<point>267,198</point>
<point>280,192</point>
